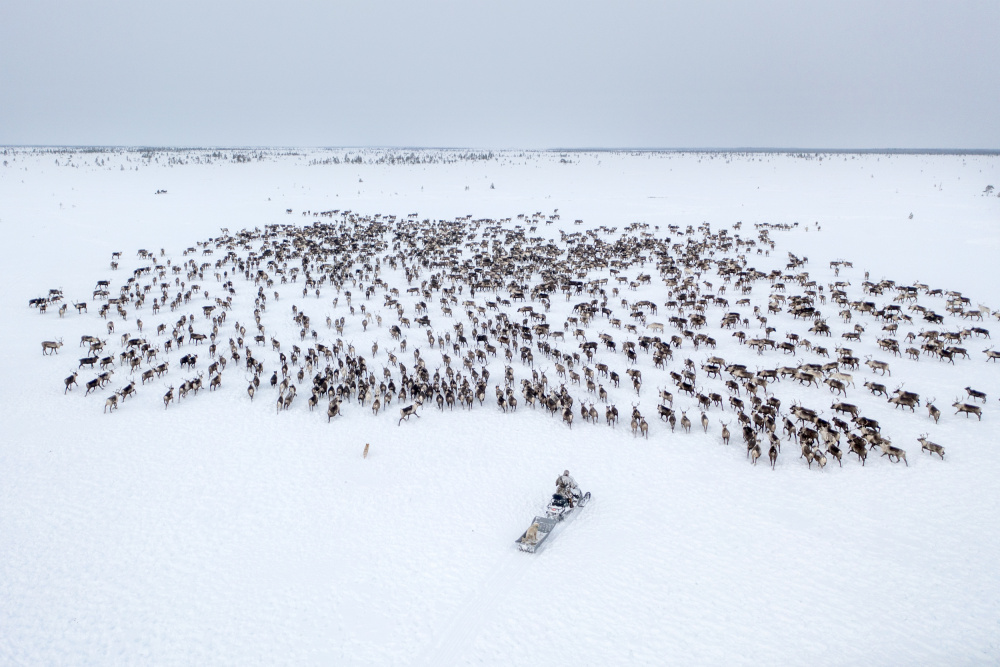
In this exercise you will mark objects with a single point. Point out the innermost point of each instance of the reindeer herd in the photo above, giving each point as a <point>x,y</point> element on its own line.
<point>564,313</point>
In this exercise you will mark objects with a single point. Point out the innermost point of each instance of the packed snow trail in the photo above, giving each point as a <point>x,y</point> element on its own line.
<point>461,630</point>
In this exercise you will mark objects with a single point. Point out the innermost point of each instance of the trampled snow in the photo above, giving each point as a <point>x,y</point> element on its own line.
<point>220,530</point>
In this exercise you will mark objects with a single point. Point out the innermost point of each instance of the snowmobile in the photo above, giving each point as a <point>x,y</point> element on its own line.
<point>559,509</point>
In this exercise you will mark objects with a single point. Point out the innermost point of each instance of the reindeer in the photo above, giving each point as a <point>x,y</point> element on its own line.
<point>685,422</point>
<point>846,378</point>
<point>819,457</point>
<point>967,409</point>
<point>567,416</point>
<point>409,410</point>
<point>286,401</point>
<point>901,400</point>
<point>611,415</point>
<point>127,390</point>
<point>877,389</point>
<point>837,386</point>
<point>834,450</point>
<point>846,408</point>
<point>891,451</point>
<point>878,366</point>
<point>992,355</point>
<point>725,432</point>
<point>932,411</point>
<point>97,346</point>
<point>51,346</point>
<point>930,447</point>
<point>858,447</point>
<point>974,395</point>
<point>333,409</point>
<point>807,452</point>
<point>169,396</point>
<point>111,403</point>
<point>93,385</point>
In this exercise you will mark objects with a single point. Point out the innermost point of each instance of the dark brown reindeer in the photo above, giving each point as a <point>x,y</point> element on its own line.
<point>975,395</point>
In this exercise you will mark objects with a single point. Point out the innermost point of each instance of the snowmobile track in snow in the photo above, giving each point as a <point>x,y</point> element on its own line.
<point>469,617</point>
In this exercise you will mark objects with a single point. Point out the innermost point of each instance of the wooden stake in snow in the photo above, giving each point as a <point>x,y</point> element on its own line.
<point>365,455</point>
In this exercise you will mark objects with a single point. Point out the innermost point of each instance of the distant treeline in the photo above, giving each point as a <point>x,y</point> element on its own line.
<point>792,151</point>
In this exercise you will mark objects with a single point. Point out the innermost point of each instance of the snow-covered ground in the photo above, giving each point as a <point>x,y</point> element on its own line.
<point>222,531</point>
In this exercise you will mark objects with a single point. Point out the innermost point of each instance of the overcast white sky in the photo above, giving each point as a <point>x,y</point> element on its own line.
<point>534,74</point>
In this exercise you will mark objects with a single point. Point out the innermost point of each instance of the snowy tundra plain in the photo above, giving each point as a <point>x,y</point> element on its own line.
<point>223,531</point>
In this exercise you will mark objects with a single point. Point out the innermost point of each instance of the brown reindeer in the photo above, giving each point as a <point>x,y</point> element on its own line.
<point>930,447</point>
<point>932,411</point>
<point>51,346</point>
<point>967,409</point>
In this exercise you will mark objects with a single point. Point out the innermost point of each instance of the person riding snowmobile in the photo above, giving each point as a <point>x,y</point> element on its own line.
<point>567,488</point>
